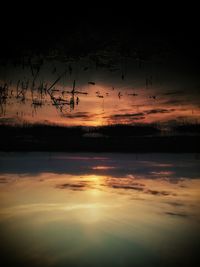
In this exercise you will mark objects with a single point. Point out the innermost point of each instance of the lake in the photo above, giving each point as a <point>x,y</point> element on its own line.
<point>86,209</point>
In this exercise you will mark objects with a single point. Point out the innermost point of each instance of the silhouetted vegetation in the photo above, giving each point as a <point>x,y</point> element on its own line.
<point>187,128</point>
<point>116,138</point>
<point>128,130</point>
<point>41,130</point>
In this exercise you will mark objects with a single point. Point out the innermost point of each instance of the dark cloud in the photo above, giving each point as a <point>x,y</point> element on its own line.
<point>159,193</point>
<point>127,187</point>
<point>177,214</point>
<point>78,115</point>
<point>157,111</point>
<point>140,115</point>
<point>78,186</point>
<point>126,184</point>
<point>175,204</point>
<point>128,115</point>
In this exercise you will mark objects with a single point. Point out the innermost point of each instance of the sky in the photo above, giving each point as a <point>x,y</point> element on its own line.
<point>65,208</point>
<point>126,69</point>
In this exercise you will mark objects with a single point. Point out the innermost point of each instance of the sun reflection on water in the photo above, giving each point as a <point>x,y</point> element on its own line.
<point>100,212</point>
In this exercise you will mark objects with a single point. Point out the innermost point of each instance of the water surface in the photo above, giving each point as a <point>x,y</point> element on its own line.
<point>59,209</point>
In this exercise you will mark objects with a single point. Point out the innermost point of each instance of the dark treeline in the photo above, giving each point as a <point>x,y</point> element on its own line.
<point>127,130</point>
<point>113,138</point>
<point>193,128</point>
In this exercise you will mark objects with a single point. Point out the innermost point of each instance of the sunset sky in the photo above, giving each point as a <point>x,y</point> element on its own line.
<point>100,127</point>
<point>147,93</point>
<point>144,69</point>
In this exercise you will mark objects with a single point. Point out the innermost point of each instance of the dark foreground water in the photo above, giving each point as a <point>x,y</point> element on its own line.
<point>59,209</point>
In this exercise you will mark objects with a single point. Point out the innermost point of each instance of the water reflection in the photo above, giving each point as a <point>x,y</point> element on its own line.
<point>94,210</point>
<point>42,94</point>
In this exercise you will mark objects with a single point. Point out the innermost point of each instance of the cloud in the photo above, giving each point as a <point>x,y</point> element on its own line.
<point>78,187</point>
<point>176,214</point>
<point>128,184</point>
<point>119,186</point>
<point>157,111</point>
<point>146,112</point>
<point>175,204</point>
<point>158,193</point>
<point>83,115</point>
<point>128,117</point>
